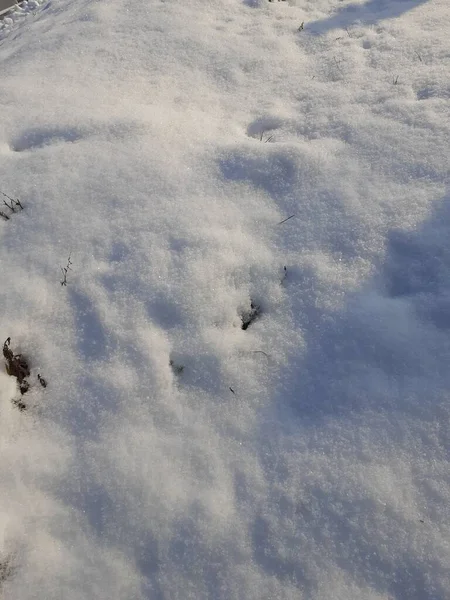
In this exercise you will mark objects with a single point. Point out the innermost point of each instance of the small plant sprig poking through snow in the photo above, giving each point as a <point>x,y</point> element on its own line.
<point>14,205</point>
<point>16,366</point>
<point>268,139</point>
<point>65,270</point>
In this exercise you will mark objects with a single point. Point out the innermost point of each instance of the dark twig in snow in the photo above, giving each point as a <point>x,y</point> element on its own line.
<point>6,196</point>
<point>42,381</point>
<point>269,139</point>
<point>10,206</point>
<point>284,221</point>
<point>65,270</point>
<point>14,202</point>
<point>13,206</point>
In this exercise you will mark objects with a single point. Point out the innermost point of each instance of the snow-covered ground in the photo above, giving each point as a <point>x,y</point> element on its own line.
<point>158,146</point>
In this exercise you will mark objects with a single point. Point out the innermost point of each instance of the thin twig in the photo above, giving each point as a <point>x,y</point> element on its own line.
<point>261,136</point>
<point>65,271</point>
<point>13,201</point>
<point>6,196</point>
<point>281,222</point>
<point>11,207</point>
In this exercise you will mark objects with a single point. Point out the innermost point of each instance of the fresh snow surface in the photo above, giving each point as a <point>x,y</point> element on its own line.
<point>174,455</point>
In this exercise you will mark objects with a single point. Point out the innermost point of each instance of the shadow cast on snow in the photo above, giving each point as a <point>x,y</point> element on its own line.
<point>384,352</point>
<point>370,13</point>
<point>388,334</point>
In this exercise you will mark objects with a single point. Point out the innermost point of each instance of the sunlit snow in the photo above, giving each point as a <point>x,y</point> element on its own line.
<point>187,167</point>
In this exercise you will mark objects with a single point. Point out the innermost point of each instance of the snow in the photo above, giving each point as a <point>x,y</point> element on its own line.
<point>158,146</point>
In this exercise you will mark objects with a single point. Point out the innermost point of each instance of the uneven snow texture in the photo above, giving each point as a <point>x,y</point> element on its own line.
<point>173,455</point>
